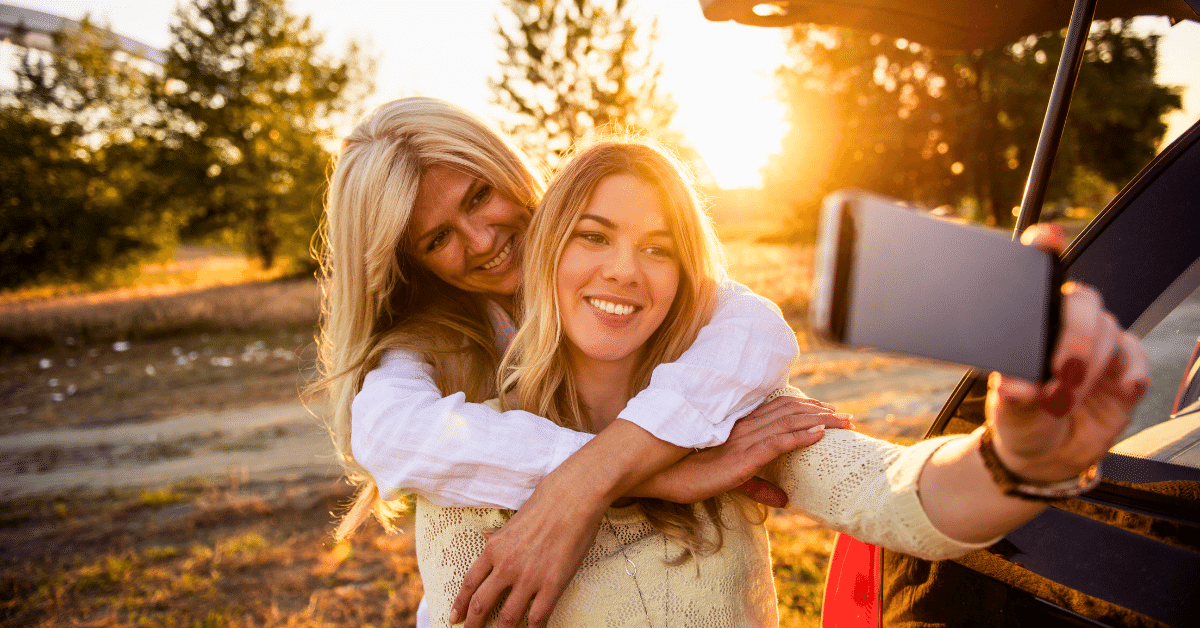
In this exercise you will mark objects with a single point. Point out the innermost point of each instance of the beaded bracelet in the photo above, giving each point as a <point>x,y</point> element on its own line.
<point>1016,486</point>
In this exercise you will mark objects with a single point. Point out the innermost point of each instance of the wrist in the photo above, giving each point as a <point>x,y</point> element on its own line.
<point>1018,482</point>
<point>621,460</point>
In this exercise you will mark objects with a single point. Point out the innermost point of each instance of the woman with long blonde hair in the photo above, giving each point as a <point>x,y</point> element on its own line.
<point>620,276</point>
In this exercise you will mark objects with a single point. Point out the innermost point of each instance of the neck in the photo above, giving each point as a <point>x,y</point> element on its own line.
<point>506,303</point>
<point>604,387</point>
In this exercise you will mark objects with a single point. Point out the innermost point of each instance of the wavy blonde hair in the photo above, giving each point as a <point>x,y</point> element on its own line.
<point>375,295</point>
<point>535,372</point>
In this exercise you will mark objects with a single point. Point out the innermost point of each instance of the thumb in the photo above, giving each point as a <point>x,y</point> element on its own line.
<point>763,492</point>
<point>1018,398</point>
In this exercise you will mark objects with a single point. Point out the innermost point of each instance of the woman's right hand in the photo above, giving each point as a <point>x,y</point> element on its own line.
<point>1057,430</point>
<point>531,559</point>
<point>781,425</point>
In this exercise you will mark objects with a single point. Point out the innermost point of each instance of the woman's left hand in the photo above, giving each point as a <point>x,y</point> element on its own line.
<point>776,427</point>
<point>1057,430</point>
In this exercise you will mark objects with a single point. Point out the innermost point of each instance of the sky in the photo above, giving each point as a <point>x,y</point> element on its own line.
<point>720,74</point>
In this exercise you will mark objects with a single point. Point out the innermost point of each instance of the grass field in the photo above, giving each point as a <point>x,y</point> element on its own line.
<point>234,550</point>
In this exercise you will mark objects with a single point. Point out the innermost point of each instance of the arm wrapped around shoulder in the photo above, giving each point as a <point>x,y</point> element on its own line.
<point>867,488</point>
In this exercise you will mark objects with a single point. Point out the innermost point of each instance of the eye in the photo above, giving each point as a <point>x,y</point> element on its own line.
<point>660,252</point>
<point>592,237</point>
<point>481,195</point>
<point>437,241</point>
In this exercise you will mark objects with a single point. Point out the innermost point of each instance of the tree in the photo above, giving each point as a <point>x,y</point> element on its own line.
<point>74,201</point>
<point>572,66</point>
<point>249,100</point>
<point>959,129</point>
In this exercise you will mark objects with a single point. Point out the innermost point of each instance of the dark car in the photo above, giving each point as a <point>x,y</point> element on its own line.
<point>1126,553</point>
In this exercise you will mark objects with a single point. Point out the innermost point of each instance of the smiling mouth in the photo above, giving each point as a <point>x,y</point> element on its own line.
<point>500,257</point>
<point>613,308</point>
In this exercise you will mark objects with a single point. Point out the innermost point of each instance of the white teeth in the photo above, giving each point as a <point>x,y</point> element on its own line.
<point>612,308</point>
<point>499,258</point>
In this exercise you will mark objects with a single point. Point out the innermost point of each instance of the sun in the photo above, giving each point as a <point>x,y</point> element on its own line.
<point>721,75</point>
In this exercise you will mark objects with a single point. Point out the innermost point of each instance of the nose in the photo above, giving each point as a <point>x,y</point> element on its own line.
<point>622,264</point>
<point>476,234</point>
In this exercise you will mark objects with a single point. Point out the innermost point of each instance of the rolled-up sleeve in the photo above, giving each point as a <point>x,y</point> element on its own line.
<point>740,357</point>
<point>455,454</point>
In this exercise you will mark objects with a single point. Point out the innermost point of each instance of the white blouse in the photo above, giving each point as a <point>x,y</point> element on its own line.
<point>457,454</point>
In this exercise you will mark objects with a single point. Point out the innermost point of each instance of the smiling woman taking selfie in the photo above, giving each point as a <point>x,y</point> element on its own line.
<point>424,236</point>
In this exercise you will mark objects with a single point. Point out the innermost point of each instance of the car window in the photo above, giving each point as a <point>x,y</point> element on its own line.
<point>1152,432</point>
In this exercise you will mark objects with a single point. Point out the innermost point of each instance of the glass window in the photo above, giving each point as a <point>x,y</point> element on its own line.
<point>1152,432</point>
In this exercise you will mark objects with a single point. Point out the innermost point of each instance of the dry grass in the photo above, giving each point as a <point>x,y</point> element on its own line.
<point>202,555</point>
<point>143,314</point>
<point>258,554</point>
<point>109,383</point>
<point>800,552</point>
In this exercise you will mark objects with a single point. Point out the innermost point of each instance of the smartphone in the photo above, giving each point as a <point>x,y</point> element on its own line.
<point>891,277</point>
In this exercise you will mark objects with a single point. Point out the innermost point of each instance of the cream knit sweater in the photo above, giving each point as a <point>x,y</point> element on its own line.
<point>847,481</point>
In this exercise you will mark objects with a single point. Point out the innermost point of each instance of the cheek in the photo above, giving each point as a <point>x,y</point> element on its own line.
<point>668,285</point>
<point>570,271</point>
<point>508,212</point>
<point>442,264</point>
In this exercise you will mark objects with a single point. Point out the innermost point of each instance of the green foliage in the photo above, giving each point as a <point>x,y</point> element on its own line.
<point>571,66</point>
<point>959,129</point>
<point>249,99</point>
<point>111,160</point>
<point>74,201</point>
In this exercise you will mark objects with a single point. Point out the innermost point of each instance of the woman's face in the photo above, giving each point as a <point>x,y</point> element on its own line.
<point>467,233</point>
<point>619,272</point>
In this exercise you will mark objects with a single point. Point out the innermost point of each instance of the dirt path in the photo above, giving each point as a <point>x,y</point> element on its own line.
<point>265,443</point>
<point>890,398</point>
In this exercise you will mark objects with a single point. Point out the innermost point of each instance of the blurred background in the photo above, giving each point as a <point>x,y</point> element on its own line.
<point>164,165</point>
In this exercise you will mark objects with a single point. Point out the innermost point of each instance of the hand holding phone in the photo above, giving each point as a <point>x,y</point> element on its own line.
<point>894,278</point>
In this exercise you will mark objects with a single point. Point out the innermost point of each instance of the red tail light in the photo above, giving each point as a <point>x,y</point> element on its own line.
<point>852,586</point>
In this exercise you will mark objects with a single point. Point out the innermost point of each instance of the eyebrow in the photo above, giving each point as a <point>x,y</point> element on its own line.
<point>659,233</point>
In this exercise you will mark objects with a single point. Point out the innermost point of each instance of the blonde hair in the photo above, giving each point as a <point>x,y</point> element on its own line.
<point>535,369</point>
<point>375,295</point>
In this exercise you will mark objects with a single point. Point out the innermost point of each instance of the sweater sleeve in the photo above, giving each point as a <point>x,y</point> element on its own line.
<point>740,357</point>
<point>453,453</point>
<point>867,488</point>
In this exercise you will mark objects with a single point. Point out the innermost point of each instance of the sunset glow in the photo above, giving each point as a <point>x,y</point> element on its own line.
<point>720,74</point>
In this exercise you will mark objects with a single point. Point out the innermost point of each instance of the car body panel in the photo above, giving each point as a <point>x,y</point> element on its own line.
<point>944,24</point>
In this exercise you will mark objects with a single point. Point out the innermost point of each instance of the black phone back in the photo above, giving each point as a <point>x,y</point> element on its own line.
<point>893,278</point>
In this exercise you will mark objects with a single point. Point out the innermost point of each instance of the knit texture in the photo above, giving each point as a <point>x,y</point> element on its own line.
<point>849,482</point>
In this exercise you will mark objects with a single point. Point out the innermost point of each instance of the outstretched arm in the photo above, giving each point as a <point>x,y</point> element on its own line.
<point>1042,434</point>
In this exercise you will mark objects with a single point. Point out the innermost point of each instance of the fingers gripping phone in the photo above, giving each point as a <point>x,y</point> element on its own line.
<point>893,278</point>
